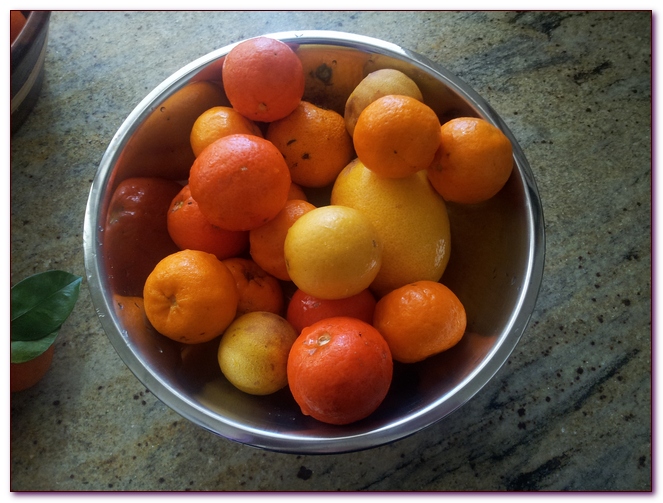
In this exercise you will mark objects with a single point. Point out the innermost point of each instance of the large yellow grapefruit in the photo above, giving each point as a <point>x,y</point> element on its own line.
<point>410,217</point>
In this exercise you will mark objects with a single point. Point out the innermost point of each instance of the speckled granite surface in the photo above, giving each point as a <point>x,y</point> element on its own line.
<point>571,409</point>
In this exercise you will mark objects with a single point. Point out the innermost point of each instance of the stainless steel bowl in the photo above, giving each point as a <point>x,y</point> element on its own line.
<point>495,268</point>
<point>28,53</point>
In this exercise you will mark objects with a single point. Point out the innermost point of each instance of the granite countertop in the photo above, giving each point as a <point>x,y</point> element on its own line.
<point>570,410</point>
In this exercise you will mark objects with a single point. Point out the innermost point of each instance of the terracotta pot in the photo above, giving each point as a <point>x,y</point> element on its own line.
<point>27,374</point>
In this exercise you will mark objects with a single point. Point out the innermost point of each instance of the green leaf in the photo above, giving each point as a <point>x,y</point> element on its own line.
<point>41,303</point>
<point>23,351</point>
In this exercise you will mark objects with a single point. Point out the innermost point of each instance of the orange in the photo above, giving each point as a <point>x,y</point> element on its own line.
<point>240,182</point>
<point>410,218</point>
<point>263,79</point>
<point>332,252</point>
<point>253,352</point>
<point>266,242</point>
<point>258,291</point>
<point>304,309</point>
<point>396,136</point>
<point>314,142</point>
<point>216,123</point>
<point>420,320</point>
<point>382,82</point>
<point>296,192</point>
<point>190,297</point>
<point>189,228</point>
<point>473,163</point>
<point>339,370</point>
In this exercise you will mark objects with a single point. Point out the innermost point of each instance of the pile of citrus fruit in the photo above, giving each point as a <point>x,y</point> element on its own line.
<point>321,299</point>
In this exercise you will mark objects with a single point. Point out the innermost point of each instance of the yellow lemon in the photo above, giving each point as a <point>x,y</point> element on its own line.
<point>332,252</point>
<point>411,220</point>
<point>253,352</point>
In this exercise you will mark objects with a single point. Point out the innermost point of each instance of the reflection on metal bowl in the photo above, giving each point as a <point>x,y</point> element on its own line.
<point>495,267</point>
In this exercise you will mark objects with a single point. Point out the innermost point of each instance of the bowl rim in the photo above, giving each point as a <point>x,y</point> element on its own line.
<point>287,442</point>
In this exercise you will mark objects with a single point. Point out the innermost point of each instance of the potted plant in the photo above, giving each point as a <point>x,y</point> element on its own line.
<point>39,306</point>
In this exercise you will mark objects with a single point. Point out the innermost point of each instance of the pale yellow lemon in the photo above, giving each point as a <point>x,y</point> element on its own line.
<point>253,352</point>
<point>332,252</point>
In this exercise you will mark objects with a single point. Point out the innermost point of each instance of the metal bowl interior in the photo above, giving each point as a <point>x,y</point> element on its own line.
<point>495,269</point>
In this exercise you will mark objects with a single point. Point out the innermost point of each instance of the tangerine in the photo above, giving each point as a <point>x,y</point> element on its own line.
<point>396,136</point>
<point>473,162</point>
<point>189,228</point>
<point>314,142</point>
<point>267,241</point>
<point>258,290</point>
<point>420,320</point>
<point>339,370</point>
<point>304,310</point>
<point>240,182</point>
<point>377,84</point>
<point>216,123</point>
<point>263,79</point>
<point>190,297</point>
<point>296,192</point>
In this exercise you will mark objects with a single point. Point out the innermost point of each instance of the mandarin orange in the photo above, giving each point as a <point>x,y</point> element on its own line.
<point>395,136</point>
<point>420,320</point>
<point>377,84</point>
<point>216,123</point>
<point>473,162</point>
<point>258,290</point>
<point>267,241</point>
<point>314,142</point>
<point>189,228</point>
<point>190,297</point>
